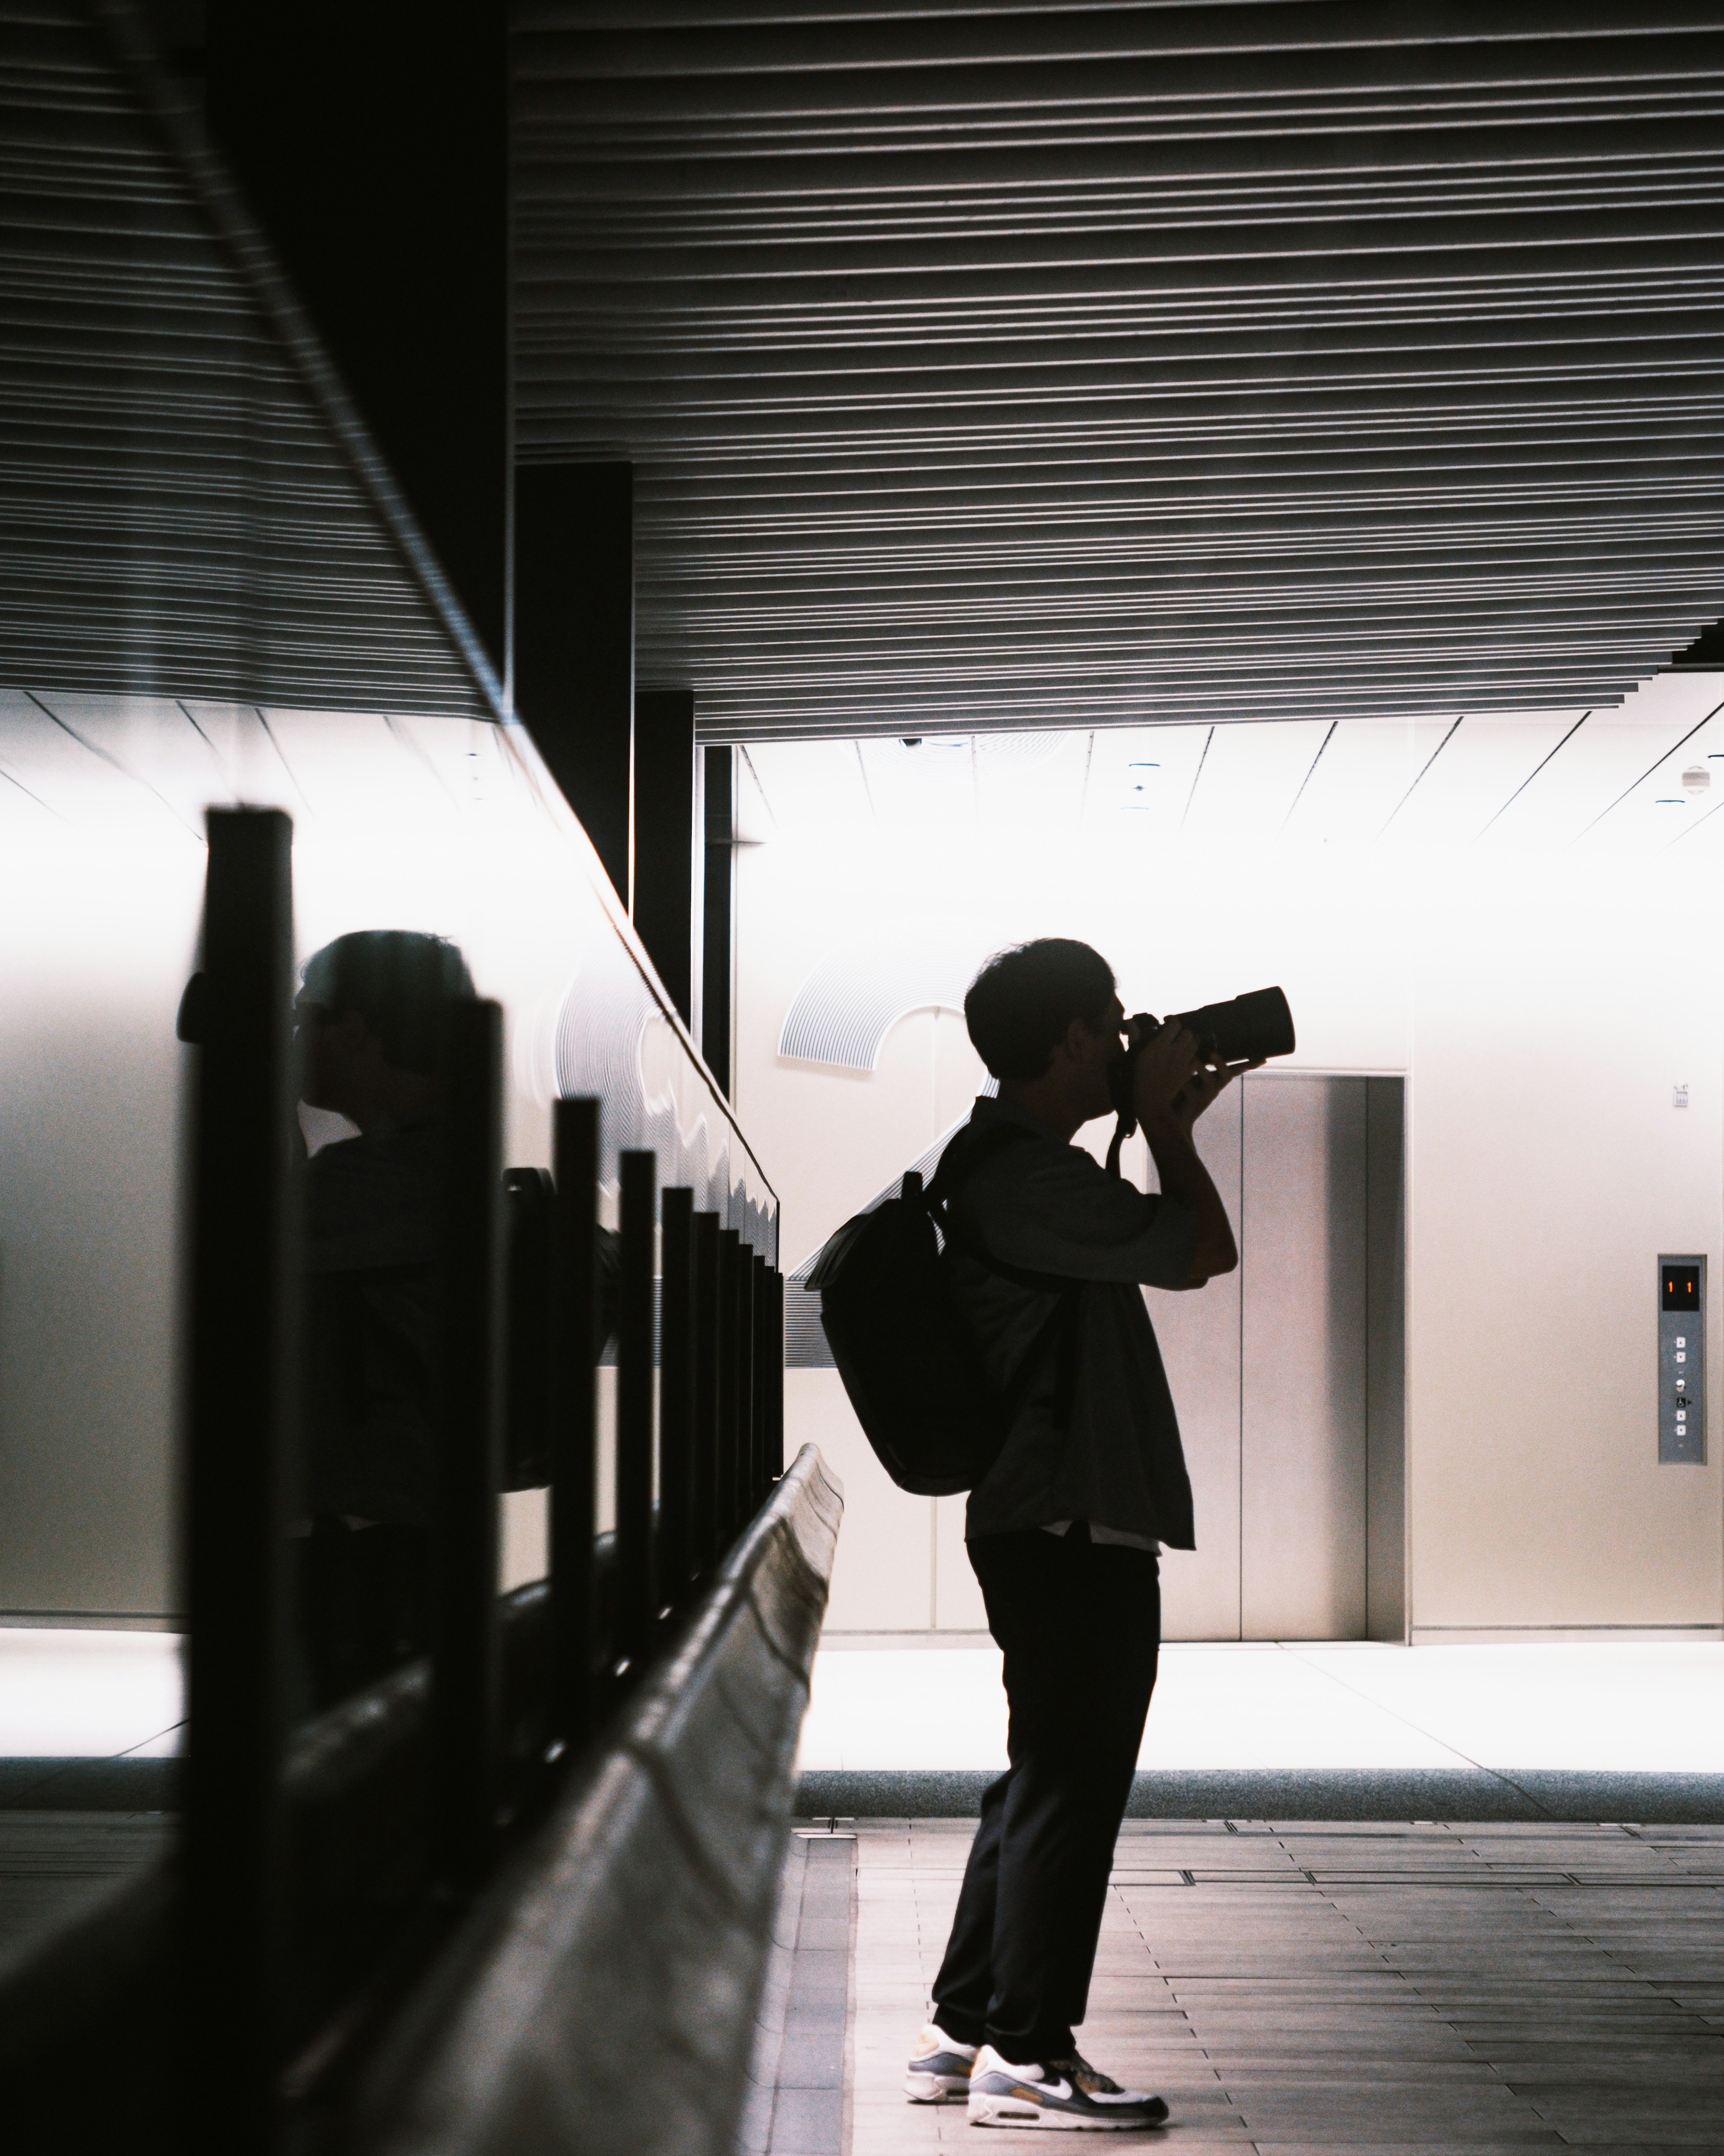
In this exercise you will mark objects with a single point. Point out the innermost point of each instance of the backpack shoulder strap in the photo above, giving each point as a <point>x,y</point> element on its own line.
<point>977,1147</point>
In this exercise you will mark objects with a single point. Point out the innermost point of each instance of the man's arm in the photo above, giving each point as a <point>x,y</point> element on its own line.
<point>1171,1088</point>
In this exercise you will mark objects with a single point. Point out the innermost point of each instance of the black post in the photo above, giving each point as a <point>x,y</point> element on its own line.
<point>775,1379</point>
<point>242,1399</point>
<point>717,906</point>
<point>463,1619</point>
<point>634,1409</point>
<point>744,1324</point>
<point>574,643</point>
<point>676,1394</point>
<point>762,1385</point>
<point>372,142</point>
<point>724,1380</point>
<point>705,1527</point>
<point>663,902</point>
<point>574,1412</point>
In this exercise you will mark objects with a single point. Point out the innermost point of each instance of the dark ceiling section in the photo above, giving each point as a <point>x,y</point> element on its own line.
<point>186,507</point>
<point>1036,366</point>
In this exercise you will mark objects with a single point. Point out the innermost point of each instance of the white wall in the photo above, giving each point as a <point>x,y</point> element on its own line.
<point>1544,988</point>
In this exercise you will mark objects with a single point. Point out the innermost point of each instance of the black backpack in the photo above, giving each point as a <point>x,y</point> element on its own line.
<point>904,1348</point>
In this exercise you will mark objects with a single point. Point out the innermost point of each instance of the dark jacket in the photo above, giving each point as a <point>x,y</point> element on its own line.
<point>1042,1206</point>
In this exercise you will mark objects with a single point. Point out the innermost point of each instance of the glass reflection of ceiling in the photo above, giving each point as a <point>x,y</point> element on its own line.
<point>186,507</point>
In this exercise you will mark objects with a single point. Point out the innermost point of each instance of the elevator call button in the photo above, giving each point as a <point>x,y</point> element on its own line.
<point>1681,1362</point>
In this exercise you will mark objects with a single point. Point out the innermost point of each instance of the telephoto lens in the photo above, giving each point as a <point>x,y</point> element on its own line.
<point>1259,1023</point>
<point>1238,1031</point>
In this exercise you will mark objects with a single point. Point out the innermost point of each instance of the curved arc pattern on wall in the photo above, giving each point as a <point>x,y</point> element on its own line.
<point>842,1014</point>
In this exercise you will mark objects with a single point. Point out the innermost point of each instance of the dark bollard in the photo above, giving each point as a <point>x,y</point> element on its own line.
<point>724,1380</point>
<point>775,1380</point>
<point>704,1525</point>
<point>635,1606</point>
<point>676,1395</point>
<point>464,1615</point>
<point>762,1333</point>
<point>242,1401</point>
<point>574,1415</point>
<point>742,1322</point>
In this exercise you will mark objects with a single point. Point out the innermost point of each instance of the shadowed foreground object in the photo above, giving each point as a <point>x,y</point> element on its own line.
<point>610,1981</point>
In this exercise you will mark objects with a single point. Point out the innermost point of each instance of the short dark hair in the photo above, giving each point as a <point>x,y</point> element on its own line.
<point>400,983</point>
<point>1023,1002</point>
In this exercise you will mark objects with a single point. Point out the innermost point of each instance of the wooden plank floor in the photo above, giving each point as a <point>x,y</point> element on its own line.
<point>1370,1989</point>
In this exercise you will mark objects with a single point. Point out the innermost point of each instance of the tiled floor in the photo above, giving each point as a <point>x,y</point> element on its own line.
<point>1364,1988</point>
<point>54,1863</point>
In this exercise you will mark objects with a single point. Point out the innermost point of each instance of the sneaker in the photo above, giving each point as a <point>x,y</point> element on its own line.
<point>1067,2093</point>
<point>939,2069</point>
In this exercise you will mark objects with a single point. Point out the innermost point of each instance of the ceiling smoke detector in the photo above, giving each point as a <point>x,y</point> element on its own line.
<point>1696,779</point>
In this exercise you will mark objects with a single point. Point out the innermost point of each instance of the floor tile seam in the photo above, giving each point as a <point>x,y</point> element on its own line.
<point>1430,1736</point>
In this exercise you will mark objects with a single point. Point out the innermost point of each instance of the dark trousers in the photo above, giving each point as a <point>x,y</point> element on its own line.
<point>1080,1624</point>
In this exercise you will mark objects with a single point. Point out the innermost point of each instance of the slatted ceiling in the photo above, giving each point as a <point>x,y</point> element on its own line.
<point>1482,764</point>
<point>1038,367</point>
<point>1248,782</point>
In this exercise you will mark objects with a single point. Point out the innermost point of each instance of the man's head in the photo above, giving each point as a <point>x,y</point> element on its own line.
<point>371,1008</point>
<point>1044,1017</point>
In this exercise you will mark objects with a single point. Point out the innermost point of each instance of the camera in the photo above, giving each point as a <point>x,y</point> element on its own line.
<point>1239,1030</point>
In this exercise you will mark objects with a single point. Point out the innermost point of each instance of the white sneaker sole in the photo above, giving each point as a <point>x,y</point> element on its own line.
<point>934,2088</point>
<point>1003,2110</point>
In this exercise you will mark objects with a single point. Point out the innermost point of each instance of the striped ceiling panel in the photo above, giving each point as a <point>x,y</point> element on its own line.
<point>187,506</point>
<point>1055,366</point>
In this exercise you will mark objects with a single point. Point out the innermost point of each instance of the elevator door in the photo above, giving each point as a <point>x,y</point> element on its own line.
<point>1272,1366</point>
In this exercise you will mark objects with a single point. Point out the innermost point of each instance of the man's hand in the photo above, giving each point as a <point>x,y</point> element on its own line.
<point>1204,1086</point>
<point>1166,1065</point>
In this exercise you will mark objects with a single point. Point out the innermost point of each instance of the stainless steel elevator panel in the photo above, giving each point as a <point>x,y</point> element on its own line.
<point>1303,1457</point>
<point>1682,1361</point>
<point>1200,1336</point>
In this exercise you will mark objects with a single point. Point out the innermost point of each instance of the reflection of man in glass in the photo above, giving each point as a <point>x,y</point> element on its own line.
<point>370,1010</point>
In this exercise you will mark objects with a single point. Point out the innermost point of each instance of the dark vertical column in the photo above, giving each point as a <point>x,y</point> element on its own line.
<point>676,1394</point>
<point>717,908</point>
<point>725,1386</point>
<point>743,1323</point>
<point>664,903</point>
<point>574,643</point>
<point>756,1391</point>
<point>634,1408</point>
<point>242,1399</point>
<point>775,1379</point>
<point>574,1412</point>
<point>706,1530</point>
<point>371,141</point>
<point>463,1619</point>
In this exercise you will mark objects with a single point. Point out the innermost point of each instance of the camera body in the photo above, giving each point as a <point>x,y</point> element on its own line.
<point>1259,1023</point>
